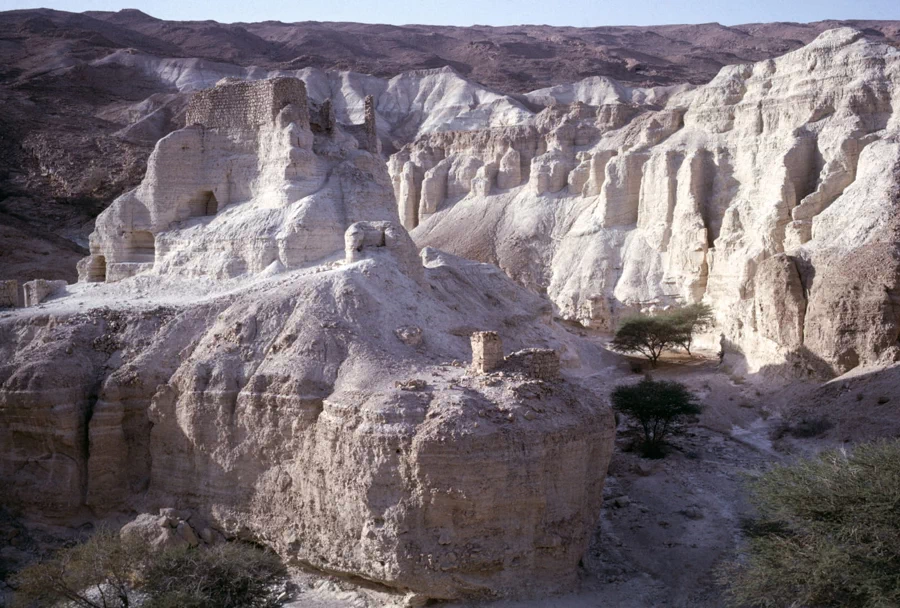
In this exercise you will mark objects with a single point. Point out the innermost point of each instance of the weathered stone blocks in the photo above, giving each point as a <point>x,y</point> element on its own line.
<point>541,363</point>
<point>40,289</point>
<point>247,104</point>
<point>9,294</point>
<point>487,351</point>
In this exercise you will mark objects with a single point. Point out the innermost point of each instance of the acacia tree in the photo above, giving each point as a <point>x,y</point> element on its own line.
<point>658,406</point>
<point>647,335</point>
<point>690,319</point>
<point>651,335</point>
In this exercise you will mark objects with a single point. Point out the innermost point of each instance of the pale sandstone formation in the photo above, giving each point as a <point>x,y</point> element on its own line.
<point>40,289</point>
<point>280,370</point>
<point>272,412</point>
<point>9,294</point>
<point>245,186</point>
<point>752,193</point>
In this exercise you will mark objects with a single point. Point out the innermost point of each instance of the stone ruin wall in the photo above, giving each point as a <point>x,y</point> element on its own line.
<point>9,294</point>
<point>542,363</point>
<point>487,356</point>
<point>487,351</point>
<point>247,105</point>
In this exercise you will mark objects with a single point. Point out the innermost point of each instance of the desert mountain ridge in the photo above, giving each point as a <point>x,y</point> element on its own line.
<point>86,96</point>
<point>363,319</point>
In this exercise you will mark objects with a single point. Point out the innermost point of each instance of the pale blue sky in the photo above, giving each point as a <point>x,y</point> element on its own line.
<point>581,13</point>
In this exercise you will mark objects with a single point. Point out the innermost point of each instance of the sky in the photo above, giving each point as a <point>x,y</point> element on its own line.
<point>579,13</point>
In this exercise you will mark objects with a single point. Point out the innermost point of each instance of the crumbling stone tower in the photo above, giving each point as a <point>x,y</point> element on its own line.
<point>372,143</point>
<point>487,351</point>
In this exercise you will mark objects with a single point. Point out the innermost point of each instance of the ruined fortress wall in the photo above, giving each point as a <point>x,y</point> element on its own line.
<point>247,105</point>
<point>540,363</point>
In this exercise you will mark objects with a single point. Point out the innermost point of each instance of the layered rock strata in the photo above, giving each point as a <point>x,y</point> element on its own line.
<point>246,185</point>
<point>753,193</point>
<point>282,367</point>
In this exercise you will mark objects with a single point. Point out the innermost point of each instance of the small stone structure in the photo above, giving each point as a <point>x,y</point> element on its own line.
<point>9,294</point>
<point>247,104</point>
<point>487,351</point>
<point>40,289</point>
<point>487,356</point>
<point>367,239</point>
<point>371,131</point>
<point>541,363</point>
<point>327,119</point>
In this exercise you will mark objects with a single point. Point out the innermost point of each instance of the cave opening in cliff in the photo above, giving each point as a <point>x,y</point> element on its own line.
<point>202,204</point>
<point>141,247</point>
<point>97,269</point>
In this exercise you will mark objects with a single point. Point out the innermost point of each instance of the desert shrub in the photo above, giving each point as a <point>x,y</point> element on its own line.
<point>110,572</point>
<point>658,406</point>
<point>99,573</point>
<point>233,575</point>
<point>828,533</point>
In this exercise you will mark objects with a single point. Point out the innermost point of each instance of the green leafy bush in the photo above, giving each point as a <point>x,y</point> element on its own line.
<point>828,533</point>
<point>658,406</point>
<point>110,572</point>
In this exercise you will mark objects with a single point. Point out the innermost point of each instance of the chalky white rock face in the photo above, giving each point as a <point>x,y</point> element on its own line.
<point>407,105</point>
<point>756,193</point>
<point>244,187</point>
<point>283,410</point>
<point>323,408</point>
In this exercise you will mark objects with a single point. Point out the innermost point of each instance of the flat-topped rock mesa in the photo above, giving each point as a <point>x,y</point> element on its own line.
<point>247,184</point>
<point>757,193</point>
<point>317,411</point>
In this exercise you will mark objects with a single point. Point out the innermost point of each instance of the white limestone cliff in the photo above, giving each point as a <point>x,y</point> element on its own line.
<point>257,341</point>
<point>236,192</point>
<point>752,193</point>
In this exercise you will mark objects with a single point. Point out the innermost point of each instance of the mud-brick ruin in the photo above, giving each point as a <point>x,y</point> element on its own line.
<point>487,357</point>
<point>247,105</point>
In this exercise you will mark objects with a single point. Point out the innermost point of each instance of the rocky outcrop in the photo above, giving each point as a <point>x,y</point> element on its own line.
<point>247,158</point>
<point>274,413</point>
<point>745,193</point>
<point>280,368</point>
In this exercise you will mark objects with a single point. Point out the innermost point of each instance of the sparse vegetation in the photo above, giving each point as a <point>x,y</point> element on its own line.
<point>110,572</point>
<point>828,533</point>
<point>690,319</point>
<point>658,406</point>
<point>804,428</point>
<point>646,335</point>
<point>650,335</point>
<point>232,575</point>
